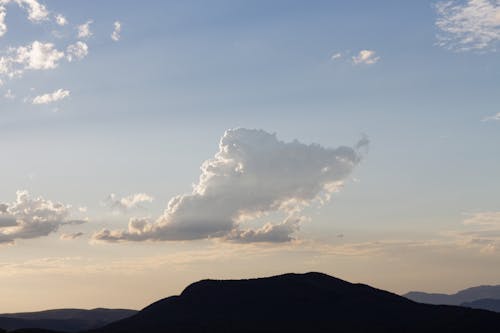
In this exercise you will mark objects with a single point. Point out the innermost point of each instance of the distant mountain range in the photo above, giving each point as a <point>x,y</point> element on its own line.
<point>485,304</point>
<point>66,320</point>
<point>463,296</point>
<point>311,302</point>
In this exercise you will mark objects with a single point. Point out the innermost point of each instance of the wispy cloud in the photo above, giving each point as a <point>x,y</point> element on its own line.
<point>129,202</point>
<point>468,25</point>
<point>71,236</point>
<point>61,20</point>
<point>9,95</point>
<point>3,25</point>
<point>78,51</point>
<point>115,35</point>
<point>366,57</point>
<point>493,118</point>
<point>55,96</point>
<point>84,29</point>
<point>253,174</point>
<point>336,56</point>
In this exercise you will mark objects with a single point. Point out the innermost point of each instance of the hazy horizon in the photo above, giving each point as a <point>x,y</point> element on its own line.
<point>146,146</point>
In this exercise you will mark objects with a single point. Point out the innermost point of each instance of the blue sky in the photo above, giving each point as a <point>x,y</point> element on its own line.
<point>143,112</point>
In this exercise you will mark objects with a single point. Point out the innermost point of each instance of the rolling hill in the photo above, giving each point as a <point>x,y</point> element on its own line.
<point>311,302</point>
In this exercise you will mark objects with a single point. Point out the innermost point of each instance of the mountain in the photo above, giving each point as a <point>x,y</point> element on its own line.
<point>67,320</point>
<point>485,304</point>
<point>466,295</point>
<point>311,302</point>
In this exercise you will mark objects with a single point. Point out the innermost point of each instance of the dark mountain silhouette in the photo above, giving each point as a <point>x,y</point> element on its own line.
<point>67,320</point>
<point>311,302</point>
<point>466,295</point>
<point>32,330</point>
<point>485,304</point>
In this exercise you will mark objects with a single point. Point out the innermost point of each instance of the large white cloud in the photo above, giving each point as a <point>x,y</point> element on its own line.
<point>253,174</point>
<point>29,217</point>
<point>468,25</point>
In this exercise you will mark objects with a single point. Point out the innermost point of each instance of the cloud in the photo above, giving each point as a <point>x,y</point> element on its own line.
<point>469,25</point>
<point>252,175</point>
<point>269,233</point>
<point>481,231</point>
<point>84,30</point>
<point>366,57</point>
<point>336,56</point>
<point>115,35</point>
<point>79,50</point>
<point>61,20</point>
<point>494,117</point>
<point>34,56</point>
<point>3,26</point>
<point>484,219</point>
<point>39,55</point>
<point>9,95</point>
<point>71,236</point>
<point>36,11</point>
<point>128,202</point>
<point>51,97</point>
<point>29,217</point>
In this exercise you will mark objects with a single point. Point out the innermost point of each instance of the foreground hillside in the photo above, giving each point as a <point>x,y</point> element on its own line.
<point>311,302</point>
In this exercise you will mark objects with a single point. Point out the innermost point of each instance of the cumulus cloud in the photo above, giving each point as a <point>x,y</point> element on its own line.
<point>34,56</point>
<point>115,35</point>
<point>252,175</point>
<point>367,57</point>
<point>29,217</point>
<point>39,55</point>
<point>84,30</point>
<point>55,96</point>
<point>79,50</point>
<point>36,11</point>
<point>128,202</point>
<point>468,25</point>
<point>61,20</point>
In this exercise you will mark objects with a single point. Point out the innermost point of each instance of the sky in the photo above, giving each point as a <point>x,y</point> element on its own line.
<point>148,145</point>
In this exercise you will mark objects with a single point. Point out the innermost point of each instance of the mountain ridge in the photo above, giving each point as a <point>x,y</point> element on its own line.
<point>309,302</point>
<point>462,296</point>
<point>67,320</point>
